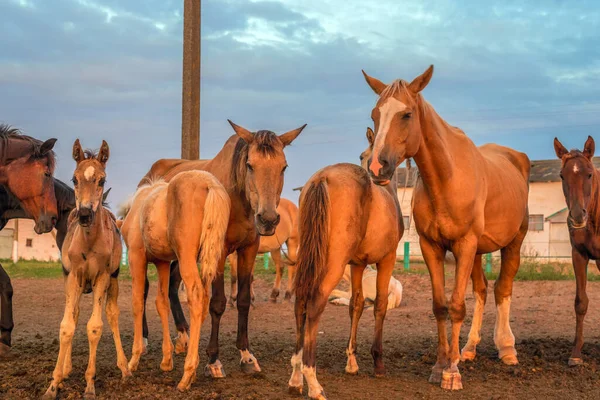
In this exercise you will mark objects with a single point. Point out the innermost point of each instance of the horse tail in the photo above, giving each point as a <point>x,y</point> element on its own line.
<point>313,245</point>
<point>214,228</point>
<point>125,207</point>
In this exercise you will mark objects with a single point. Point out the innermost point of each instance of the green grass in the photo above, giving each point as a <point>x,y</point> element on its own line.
<point>530,270</point>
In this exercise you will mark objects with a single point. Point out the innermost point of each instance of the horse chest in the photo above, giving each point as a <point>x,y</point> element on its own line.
<point>240,233</point>
<point>586,243</point>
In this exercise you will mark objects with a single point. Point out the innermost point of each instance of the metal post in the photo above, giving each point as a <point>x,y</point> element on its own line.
<point>488,263</point>
<point>266,260</point>
<point>406,256</point>
<point>190,102</point>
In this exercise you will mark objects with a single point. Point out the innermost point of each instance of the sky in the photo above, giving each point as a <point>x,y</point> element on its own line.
<point>505,72</point>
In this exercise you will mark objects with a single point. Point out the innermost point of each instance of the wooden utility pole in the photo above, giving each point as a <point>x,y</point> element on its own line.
<point>190,105</point>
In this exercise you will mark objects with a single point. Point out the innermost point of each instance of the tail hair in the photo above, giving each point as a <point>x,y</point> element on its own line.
<point>124,208</point>
<point>214,229</point>
<point>313,245</point>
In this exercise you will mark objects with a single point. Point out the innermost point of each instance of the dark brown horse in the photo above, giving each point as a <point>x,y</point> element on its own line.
<point>251,167</point>
<point>468,200</point>
<point>26,169</point>
<point>581,186</point>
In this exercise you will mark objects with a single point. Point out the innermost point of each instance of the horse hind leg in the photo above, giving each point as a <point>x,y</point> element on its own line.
<point>162,306</point>
<point>384,273</point>
<point>503,336</point>
<point>138,267</point>
<point>181,343</point>
<point>276,255</point>
<point>233,261</point>
<point>6,315</point>
<point>296,382</point>
<point>292,245</point>
<point>480,286</point>
<point>355,309</point>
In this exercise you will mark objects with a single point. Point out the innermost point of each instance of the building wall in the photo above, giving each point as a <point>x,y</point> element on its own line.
<point>32,246</point>
<point>544,198</point>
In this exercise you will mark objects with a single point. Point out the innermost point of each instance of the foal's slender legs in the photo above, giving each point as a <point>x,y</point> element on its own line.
<point>218,302</point>
<point>580,263</point>
<point>112,315</point>
<point>181,343</point>
<point>67,330</point>
<point>357,304</point>
<point>138,269</point>
<point>480,285</point>
<point>276,255</point>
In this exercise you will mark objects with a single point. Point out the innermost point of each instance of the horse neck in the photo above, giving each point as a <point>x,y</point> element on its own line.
<point>96,230</point>
<point>594,208</point>
<point>434,157</point>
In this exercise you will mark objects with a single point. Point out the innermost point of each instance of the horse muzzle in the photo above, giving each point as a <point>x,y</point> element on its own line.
<point>45,224</point>
<point>266,223</point>
<point>85,216</point>
<point>577,224</point>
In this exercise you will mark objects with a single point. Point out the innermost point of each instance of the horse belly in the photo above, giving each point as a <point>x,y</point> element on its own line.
<point>155,228</point>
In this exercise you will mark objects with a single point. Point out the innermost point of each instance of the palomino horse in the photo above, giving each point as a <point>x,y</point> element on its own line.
<point>185,219</point>
<point>251,167</point>
<point>26,168</point>
<point>580,181</point>
<point>344,218</point>
<point>10,208</point>
<point>91,257</point>
<point>468,200</point>
<point>286,232</point>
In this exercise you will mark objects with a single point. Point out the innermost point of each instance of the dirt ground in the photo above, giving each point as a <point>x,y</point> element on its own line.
<point>542,319</point>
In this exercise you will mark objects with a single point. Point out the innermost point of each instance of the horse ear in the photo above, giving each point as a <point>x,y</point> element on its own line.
<point>560,149</point>
<point>104,153</point>
<point>105,195</point>
<point>370,136</point>
<point>374,83</point>
<point>589,148</point>
<point>242,132</point>
<point>421,81</point>
<point>77,151</point>
<point>288,137</point>
<point>47,146</point>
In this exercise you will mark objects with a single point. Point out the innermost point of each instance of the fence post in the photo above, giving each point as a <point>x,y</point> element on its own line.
<point>266,260</point>
<point>488,262</point>
<point>406,256</point>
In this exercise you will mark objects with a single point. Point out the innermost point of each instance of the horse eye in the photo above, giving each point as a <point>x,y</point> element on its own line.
<point>48,175</point>
<point>361,157</point>
<point>74,180</point>
<point>102,182</point>
<point>249,167</point>
<point>590,176</point>
<point>283,170</point>
<point>562,177</point>
<point>407,116</point>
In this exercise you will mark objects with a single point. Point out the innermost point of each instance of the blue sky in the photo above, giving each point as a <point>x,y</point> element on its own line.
<point>505,72</point>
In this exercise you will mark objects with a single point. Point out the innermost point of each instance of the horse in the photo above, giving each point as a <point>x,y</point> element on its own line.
<point>468,200</point>
<point>286,232</point>
<point>26,169</point>
<point>251,167</point>
<point>184,219</point>
<point>344,218</point>
<point>91,256</point>
<point>580,182</point>
<point>369,287</point>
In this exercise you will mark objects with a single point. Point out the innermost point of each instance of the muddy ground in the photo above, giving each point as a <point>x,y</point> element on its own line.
<point>542,319</point>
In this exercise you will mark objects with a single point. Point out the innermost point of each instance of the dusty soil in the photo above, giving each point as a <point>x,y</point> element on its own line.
<point>542,319</point>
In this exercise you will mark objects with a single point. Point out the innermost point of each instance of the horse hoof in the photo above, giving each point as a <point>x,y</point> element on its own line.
<point>435,377</point>
<point>287,297</point>
<point>181,344</point>
<point>89,395</point>
<point>214,370</point>
<point>50,393</point>
<point>320,396</point>
<point>351,371</point>
<point>451,381</point>
<point>231,302</point>
<point>250,367</point>
<point>6,354</point>
<point>575,361</point>
<point>183,386</point>
<point>510,359</point>
<point>145,347</point>
<point>380,372</point>
<point>295,390</point>
<point>167,365</point>
<point>467,355</point>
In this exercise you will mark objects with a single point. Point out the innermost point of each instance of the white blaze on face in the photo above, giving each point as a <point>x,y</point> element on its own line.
<point>575,168</point>
<point>89,173</point>
<point>387,111</point>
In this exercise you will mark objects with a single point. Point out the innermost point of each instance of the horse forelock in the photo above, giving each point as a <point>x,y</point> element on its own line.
<point>399,86</point>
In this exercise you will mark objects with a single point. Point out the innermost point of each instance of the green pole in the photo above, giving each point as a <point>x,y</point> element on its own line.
<point>406,256</point>
<point>488,263</point>
<point>266,260</point>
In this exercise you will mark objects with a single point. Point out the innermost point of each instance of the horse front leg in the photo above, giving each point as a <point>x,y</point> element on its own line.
<point>246,257</point>
<point>355,309</point>
<point>6,315</point>
<point>480,286</point>
<point>580,263</point>
<point>218,303</point>
<point>384,273</point>
<point>276,255</point>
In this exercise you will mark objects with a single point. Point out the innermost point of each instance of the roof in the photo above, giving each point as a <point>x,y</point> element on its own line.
<point>559,216</point>
<point>541,171</point>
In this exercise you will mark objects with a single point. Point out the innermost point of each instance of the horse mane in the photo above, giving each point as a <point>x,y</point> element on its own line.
<point>398,86</point>
<point>266,143</point>
<point>8,132</point>
<point>89,154</point>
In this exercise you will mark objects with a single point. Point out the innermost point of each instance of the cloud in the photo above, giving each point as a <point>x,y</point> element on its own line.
<point>505,71</point>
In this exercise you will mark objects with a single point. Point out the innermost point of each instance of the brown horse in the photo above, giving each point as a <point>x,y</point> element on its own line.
<point>185,219</point>
<point>26,169</point>
<point>468,200</point>
<point>580,181</point>
<point>286,232</point>
<point>91,257</point>
<point>344,218</point>
<point>251,167</point>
